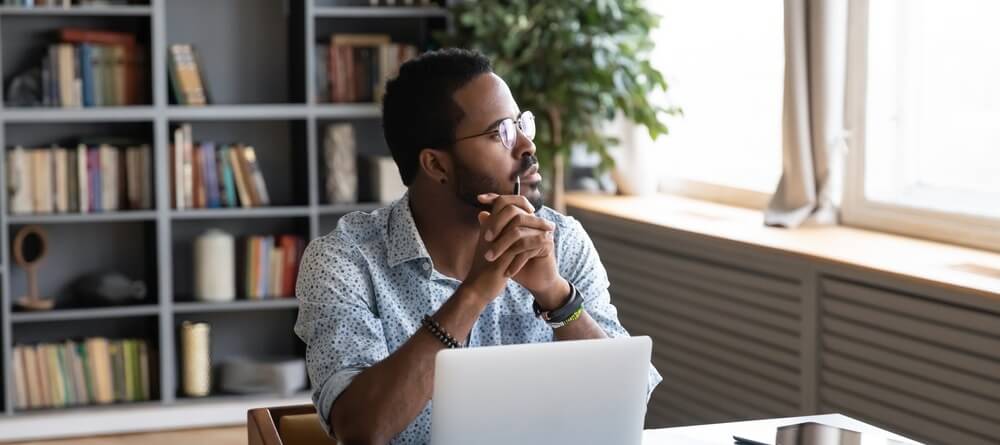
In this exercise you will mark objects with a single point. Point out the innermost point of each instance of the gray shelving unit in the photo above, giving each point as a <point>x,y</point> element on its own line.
<point>257,59</point>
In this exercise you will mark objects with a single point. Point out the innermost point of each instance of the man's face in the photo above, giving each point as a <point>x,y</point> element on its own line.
<point>483,164</point>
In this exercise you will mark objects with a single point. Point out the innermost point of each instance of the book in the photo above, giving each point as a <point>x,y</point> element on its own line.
<point>188,150</point>
<point>276,272</point>
<point>42,172</point>
<point>20,380</point>
<point>228,182</point>
<point>210,175</point>
<point>258,187</point>
<point>185,76</point>
<point>109,177</point>
<point>240,176</point>
<point>83,179</point>
<point>144,376</point>
<point>32,377</point>
<point>88,376</point>
<point>197,180</point>
<point>60,158</point>
<point>100,368</point>
<point>321,52</point>
<point>72,183</point>
<point>94,176</point>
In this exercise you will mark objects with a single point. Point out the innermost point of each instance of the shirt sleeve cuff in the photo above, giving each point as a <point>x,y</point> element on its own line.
<point>324,396</point>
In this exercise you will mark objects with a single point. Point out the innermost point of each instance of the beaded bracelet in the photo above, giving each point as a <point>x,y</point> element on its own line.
<point>439,332</point>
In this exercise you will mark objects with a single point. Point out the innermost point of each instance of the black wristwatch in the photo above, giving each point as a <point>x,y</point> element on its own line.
<point>564,315</point>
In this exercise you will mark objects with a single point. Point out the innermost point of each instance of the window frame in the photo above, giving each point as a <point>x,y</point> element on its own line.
<point>857,210</point>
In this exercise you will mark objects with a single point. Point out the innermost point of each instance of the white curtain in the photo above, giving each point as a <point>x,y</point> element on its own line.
<point>813,137</point>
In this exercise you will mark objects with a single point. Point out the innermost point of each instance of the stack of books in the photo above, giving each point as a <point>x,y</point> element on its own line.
<point>94,178</point>
<point>213,175</point>
<point>91,68</point>
<point>355,67</point>
<point>95,371</point>
<point>272,265</point>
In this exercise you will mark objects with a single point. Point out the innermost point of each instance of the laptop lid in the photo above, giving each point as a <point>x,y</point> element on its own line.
<point>586,391</point>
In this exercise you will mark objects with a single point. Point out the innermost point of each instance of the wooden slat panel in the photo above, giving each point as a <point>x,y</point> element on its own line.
<point>682,294</point>
<point>930,332</point>
<point>919,307</point>
<point>651,321</point>
<point>758,399</point>
<point>933,421</point>
<point>970,404</point>
<point>956,379</point>
<point>933,353</point>
<point>697,313</point>
<point>707,271</point>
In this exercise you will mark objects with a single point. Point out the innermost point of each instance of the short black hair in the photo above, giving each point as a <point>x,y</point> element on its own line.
<point>418,111</point>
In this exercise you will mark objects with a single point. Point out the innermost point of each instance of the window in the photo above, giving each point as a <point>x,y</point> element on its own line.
<point>925,151</point>
<point>724,62</point>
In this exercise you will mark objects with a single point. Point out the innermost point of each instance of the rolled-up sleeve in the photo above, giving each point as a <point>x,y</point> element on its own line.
<point>580,264</point>
<point>337,319</point>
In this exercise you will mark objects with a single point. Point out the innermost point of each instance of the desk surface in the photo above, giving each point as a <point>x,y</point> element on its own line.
<point>763,431</point>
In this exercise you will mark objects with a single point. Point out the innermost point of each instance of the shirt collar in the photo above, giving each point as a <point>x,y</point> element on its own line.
<point>403,242</point>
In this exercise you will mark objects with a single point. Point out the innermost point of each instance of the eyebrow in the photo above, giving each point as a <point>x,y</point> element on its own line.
<point>497,122</point>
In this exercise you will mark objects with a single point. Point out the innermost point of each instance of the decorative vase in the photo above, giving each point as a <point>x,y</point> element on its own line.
<point>214,267</point>
<point>636,162</point>
<point>197,362</point>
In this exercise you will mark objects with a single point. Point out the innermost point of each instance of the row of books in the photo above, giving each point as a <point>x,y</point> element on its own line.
<point>91,68</point>
<point>212,175</point>
<point>272,265</point>
<point>63,3</point>
<point>87,179</point>
<point>355,67</point>
<point>95,371</point>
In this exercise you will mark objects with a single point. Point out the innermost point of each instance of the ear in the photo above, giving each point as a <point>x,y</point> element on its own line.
<point>436,164</point>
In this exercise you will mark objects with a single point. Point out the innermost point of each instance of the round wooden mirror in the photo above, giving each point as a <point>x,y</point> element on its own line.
<point>30,248</point>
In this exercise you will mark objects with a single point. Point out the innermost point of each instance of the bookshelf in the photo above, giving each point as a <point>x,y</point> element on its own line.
<point>257,60</point>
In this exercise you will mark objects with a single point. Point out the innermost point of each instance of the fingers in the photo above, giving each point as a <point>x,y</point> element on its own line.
<point>519,239</point>
<point>520,260</point>
<point>500,201</point>
<point>512,216</point>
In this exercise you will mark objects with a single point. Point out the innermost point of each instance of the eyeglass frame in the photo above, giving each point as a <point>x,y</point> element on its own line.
<point>517,128</point>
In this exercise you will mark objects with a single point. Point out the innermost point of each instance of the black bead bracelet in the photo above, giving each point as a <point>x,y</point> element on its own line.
<point>432,325</point>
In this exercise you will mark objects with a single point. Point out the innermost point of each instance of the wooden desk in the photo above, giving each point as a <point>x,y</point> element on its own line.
<point>764,431</point>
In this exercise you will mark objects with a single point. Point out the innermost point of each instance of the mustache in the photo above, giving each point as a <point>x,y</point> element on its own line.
<point>527,163</point>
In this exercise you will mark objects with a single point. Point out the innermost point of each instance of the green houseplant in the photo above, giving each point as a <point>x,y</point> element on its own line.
<point>576,63</point>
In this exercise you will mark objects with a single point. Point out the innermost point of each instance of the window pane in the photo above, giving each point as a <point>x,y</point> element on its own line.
<point>724,62</point>
<point>933,106</point>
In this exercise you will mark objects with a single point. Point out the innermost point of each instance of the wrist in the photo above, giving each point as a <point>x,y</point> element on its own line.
<point>555,296</point>
<point>475,295</point>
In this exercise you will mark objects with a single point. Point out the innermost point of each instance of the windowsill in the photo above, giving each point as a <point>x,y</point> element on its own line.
<point>959,268</point>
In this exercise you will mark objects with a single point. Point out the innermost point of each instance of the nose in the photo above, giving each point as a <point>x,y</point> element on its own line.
<point>522,146</point>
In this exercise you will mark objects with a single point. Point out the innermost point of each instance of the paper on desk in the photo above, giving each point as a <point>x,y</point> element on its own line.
<point>763,431</point>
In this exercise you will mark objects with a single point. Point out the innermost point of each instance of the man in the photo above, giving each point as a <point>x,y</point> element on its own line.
<point>459,260</point>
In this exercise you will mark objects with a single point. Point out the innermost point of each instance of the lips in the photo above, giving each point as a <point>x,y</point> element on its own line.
<point>531,175</point>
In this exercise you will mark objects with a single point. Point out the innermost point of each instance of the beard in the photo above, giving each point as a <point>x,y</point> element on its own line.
<point>471,184</point>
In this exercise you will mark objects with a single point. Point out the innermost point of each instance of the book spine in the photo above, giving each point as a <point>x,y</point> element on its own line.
<point>259,186</point>
<point>94,173</point>
<point>211,176</point>
<point>83,179</point>
<point>87,74</point>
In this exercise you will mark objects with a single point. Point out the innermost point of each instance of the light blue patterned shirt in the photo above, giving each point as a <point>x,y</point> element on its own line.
<point>364,288</point>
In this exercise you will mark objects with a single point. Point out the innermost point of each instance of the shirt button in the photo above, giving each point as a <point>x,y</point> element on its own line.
<point>427,266</point>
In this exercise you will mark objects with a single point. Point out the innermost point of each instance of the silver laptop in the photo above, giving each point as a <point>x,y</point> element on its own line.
<point>588,391</point>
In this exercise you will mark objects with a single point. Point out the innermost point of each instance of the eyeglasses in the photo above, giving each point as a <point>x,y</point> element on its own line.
<point>507,129</point>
